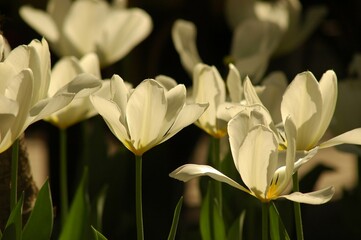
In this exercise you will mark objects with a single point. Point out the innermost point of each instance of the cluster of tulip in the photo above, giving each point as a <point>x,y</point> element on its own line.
<point>273,127</point>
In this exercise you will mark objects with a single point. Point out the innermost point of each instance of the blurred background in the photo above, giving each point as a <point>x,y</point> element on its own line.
<point>111,167</point>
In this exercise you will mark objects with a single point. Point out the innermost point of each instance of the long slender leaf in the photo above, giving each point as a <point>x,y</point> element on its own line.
<point>277,229</point>
<point>77,222</point>
<point>236,230</point>
<point>14,224</point>
<point>173,229</point>
<point>98,235</point>
<point>211,222</point>
<point>40,223</point>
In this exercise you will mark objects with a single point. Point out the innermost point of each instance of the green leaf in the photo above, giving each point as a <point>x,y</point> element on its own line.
<point>40,223</point>
<point>9,232</point>
<point>77,222</point>
<point>14,224</point>
<point>277,229</point>
<point>98,235</point>
<point>173,229</point>
<point>236,229</point>
<point>211,221</point>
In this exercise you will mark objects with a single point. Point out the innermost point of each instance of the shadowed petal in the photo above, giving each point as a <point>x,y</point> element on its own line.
<point>184,39</point>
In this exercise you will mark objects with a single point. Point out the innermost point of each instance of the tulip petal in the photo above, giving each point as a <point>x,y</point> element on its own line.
<point>62,73</point>
<point>41,21</point>
<point>187,115</point>
<point>257,159</point>
<point>234,84</point>
<point>90,64</point>
<point>81,15</point>
<point>146,109</point>
<point>316,197</point>
<point>184,39</point>
<point>190,171</point>
<point>111,115</point>
<point>122,30</point>
<point>119,94</point>
<point>81,86</point>
<point>328,88</point>
<point>303,102</point>
<point>350,137</point>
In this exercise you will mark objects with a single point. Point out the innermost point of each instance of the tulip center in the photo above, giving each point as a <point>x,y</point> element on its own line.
<point>273,189</point>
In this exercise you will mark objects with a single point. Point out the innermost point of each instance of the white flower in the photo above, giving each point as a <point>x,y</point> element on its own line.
<point>148,115</point>
<point>265,170</point>
<point>25,79</point>
<point>78,27</point>
<point>311,105</point>
<point>66,70</point>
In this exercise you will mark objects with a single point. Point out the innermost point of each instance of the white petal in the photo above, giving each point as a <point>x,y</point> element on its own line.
<point>253,43</point>
<point>111,115</point>
<point>90,64</point>
<point>146,109</point>
<point>184,39</point>
<point>350,137</point>
<point>81,86</point>
<point>275,85</point>
<point>303,102</point>
<point>316,197</point>
<point>190,171</point>
<point>328,88</point>
<point>62,73</point>
<point>234,84</point>
<point>41,21</point>
<point>81,15</point>
<point>257,159</point>
<point>250,93</point>
<point>119,94</point>
<point>166,81</point>
<point>208,86</point>
<point>122,30</point>
<point>188,115</point>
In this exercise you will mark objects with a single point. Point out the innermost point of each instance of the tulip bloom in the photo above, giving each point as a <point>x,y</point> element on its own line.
<point>265,170</point>
<point>25,75</point>
<point>148,115</point>
<point>311,105</point>
<point>64,71</point>
<point>75,28</point>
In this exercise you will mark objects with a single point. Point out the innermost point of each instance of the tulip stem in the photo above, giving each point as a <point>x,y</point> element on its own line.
<point>14,174</point>
<point>265,212</point>
<point>297,208</point>
<point>217,164</point>
<point>63,176</point>
<point>138,197</point>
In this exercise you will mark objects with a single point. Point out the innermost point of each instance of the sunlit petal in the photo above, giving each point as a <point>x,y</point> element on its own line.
<point>190,171</point>
<point>316,197</point>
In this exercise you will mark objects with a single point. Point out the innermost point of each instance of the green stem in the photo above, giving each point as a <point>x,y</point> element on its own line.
<point>217,164</point>
<point>265,212</point>
<point>63,176</point>
<point>138,197</point>
<point>14,174</point>
<point>297,208</point>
